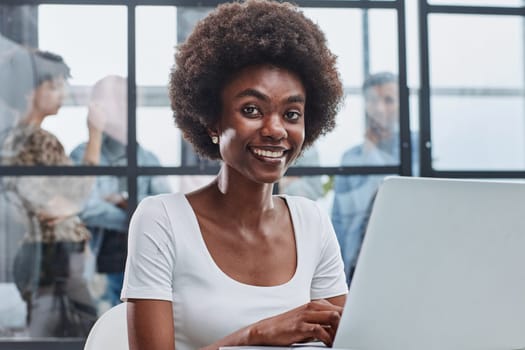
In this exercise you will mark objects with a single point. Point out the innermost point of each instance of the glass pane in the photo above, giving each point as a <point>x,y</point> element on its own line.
<point>478,2</point>
<point>106,217</point>
<point>381,56</point>
<point>344,32</point>
<point>478,133</point>
<point>317,188</point>
<point>468,51</point>
<point>69,30</point>
<point>349,47</point>
<point>346,199</point>
<point>153,185</point>
<point>367,132</point>
<point>383,41</point>
<point>13,311</point>
<point>159,140</point>
<point>155,57</point>
<point>44,256</point>
<point>72,82</point>
<point>349,132</point>
<point>159,29</point>
<point>92,51</point>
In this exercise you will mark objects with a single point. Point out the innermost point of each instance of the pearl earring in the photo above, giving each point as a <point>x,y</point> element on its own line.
<point>215,139</point>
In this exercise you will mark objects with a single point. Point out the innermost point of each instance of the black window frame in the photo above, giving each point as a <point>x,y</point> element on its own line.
<point>426,9</point>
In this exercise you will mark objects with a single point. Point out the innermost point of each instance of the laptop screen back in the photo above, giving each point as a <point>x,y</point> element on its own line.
<point>442,266</point>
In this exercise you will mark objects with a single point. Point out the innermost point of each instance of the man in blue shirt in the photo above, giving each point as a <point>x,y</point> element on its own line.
<point>354,194</point>
<point>105,213</point>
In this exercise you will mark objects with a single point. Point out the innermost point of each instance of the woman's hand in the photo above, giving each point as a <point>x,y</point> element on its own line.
<point>317,320</point>
<point>118,199</point>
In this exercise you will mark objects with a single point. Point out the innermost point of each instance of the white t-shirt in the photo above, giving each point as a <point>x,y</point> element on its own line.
<point>168,260</point>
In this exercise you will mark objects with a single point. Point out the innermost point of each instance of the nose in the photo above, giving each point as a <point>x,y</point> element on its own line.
<point>274,127</point>
<point>380,108</point>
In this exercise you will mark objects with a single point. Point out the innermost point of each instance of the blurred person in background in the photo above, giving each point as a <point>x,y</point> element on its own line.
<point>49,264</point>
<point>105,213</point>
<point>353,195</point>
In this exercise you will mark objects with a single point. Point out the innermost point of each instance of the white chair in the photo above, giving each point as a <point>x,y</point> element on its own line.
<point>110,331</point>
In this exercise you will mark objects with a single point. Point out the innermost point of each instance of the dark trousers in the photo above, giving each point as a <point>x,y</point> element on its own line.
<point>64,308</point>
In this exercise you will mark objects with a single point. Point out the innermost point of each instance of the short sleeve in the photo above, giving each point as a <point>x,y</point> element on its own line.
<point>329,277</point>
<point>151,253</point>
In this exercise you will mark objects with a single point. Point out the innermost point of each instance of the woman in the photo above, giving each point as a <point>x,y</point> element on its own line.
<point>232,264</point>
<point>49,265</point>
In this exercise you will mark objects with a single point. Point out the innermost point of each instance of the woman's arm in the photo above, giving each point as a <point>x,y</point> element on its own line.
<point>317,320</point>
<point>339,300</point>
<point>150,324</point>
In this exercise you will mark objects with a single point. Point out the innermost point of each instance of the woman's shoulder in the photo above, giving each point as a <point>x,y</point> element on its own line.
<point>165,212</point>
<point>167,201</point>
<point>30,145</point>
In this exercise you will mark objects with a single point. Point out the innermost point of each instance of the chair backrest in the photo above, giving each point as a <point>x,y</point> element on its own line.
<point>110,331</point>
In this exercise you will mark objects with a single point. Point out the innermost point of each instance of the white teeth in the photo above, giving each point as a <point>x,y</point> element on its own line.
<point>269,154</point>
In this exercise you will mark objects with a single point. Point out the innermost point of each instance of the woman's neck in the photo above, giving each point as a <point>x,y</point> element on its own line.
<point>244,203</point>
<point>235,185</point>
<point>33,118</point>
<point>236,196</point>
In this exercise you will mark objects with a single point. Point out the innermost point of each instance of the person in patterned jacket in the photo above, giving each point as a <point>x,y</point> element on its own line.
<point>49,264</point>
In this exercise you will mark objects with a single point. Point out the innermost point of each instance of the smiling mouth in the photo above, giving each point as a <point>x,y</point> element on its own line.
<point>269,154</point>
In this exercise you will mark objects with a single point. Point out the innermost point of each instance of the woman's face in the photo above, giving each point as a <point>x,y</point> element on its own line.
<point>261,126</point>
<point>49,95</point>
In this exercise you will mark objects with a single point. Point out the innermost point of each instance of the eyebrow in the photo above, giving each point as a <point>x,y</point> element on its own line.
<point>296,98</point>
<point>252,93</point>
<point>261,96</point>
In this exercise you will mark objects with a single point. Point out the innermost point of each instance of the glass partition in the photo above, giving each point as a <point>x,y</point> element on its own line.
<point>476,92</point>
<point>80,90</point>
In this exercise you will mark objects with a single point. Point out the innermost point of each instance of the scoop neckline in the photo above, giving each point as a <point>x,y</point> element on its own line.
<point>224,275</point>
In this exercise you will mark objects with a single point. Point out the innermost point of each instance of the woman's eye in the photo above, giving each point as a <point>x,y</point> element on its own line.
<point>292,115</point>
<point>250,111</point>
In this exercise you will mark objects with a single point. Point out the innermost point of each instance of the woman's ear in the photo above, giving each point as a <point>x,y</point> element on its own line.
<point>214,135</point>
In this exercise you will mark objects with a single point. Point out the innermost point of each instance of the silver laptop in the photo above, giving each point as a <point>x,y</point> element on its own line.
<point>442,267</point>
